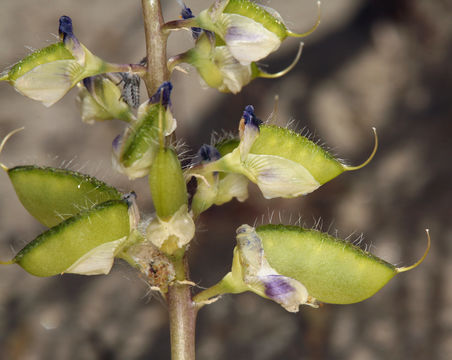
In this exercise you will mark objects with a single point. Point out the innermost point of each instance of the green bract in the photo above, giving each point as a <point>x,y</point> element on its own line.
<point>83,244</point>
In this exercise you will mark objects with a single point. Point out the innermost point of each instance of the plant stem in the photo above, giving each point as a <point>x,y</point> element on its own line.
<point>182,311</point>
<point>157,71</point>
<point>182,316</point>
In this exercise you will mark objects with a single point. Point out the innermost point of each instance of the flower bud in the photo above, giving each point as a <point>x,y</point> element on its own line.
<point>167,183</point>
<point>134,151</point>
<point>100,99</point>
<point>173,226</point>
<point>48,74</point>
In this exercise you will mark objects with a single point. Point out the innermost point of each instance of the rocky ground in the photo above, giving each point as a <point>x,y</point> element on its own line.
<point>371,63</point>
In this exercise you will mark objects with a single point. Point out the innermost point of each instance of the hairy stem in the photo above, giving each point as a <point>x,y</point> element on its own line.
<point>157,71</point>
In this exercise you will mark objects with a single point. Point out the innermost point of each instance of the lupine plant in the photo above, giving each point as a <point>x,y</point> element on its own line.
<point>91,223</point>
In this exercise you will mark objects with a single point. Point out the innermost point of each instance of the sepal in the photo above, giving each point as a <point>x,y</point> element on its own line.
<point>172,234</point>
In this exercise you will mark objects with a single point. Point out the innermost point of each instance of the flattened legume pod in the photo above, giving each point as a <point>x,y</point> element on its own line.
<point>277,141</point>
<point>332,270</point>
<point>52,195</point>
<point>59,248</point>
<point>281,162</point>
<point>294,266</point>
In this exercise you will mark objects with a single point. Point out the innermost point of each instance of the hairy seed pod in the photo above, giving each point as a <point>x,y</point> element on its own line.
<point>281,162</point>
<point>282,142</point>
<point>52,195</point>
<point>294,266</point>
<point>83,244</point>
<point>250,31</point>
<point>332,270</point>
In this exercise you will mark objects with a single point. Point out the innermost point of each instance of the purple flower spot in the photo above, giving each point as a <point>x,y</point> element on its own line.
<point>117,142</point>
<point>236,33</point>
<point>277,287</point>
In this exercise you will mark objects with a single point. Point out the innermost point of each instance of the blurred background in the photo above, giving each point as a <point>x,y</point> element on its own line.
<point>382,63</point>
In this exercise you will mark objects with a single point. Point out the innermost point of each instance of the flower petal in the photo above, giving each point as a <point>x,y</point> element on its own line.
<point>279,177</point>
<point>98,260</point>
<point>49,82</point>
<point>262,279</point>
<point>249,40</point>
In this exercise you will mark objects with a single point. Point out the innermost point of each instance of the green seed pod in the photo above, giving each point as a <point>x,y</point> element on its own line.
<point>294,266</point>
<point>227,146</point>
<point>48,54</point>
<point>84,244</point>
<point>249,30</point>
<point>167,183</point>
<point>282,142</point>
<point>332,270</point>
<point>280,161</point>
<point>52,195</point>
